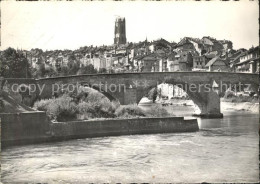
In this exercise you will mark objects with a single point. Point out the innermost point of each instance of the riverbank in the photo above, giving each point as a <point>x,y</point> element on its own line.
<point>250,107</point>
<point>240,106</point>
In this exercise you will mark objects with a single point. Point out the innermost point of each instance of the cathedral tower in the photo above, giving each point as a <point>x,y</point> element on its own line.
<point>120,37</point>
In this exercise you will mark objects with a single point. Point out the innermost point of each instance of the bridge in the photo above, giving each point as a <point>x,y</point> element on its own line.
<point>203,88</point>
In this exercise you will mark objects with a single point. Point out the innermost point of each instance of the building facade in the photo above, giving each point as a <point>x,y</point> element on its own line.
<point>249,61</point>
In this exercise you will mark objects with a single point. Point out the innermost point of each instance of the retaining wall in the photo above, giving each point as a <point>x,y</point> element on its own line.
<point>23,128</point>
<point>114,127</point>
<point>33,127</point>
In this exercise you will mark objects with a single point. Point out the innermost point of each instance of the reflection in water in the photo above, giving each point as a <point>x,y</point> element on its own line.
<point>224,150</point>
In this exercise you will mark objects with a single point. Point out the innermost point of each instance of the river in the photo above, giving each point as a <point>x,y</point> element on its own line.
<point>224,150</point>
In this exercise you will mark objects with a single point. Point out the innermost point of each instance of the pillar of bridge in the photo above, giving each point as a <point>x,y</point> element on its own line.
<point>207,104</point>
<point>140,93</point>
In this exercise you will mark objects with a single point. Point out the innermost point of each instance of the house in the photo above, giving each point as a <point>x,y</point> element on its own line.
<point>160,44</point>
<point>140,48</point>
<point>192,44</point>
<point>182,61</point>
<point>198,45</point>
<point>66,56</point>
<point>163,64</point>
<point>211,55</point>
<point>249,61</point>
<point>136,62</point>
<point>109,61</point>
<point>227,45</point>
<point>36,58</point>
<point>211,44</point>
<point>148,63</point>
<point>208,44</point>
<point>88,59</point>
<point>185,45</point>
<point>170,61</point>
<point>235,58</point>
<point>199,62</point>
<point>97,60</point>
<point>217,64</point>
<point>185,61</point>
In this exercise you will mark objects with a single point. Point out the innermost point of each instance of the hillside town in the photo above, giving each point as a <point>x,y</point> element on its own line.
<point>189,54</point>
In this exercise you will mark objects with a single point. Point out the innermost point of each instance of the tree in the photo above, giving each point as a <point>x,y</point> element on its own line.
<point>39,72</point>
<point>102,70</point>
<point>73,66</point>
<point>111,71</point>
<point>89,69</point>
<point>152,94</point>
<point>14,64</point>
<point>50,72</point>
<point>64,71</point>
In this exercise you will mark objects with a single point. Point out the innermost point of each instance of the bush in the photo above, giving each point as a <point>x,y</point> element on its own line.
<point>129,111</point>
<point>87,103</point>
<point>100,109</point>
<point>96,97</point>
<point>96,105</point>
<point>60,109</point>
<point>96,110</point>
<point>90,104</point>
<point>42,105</point>
<point>157,111</point>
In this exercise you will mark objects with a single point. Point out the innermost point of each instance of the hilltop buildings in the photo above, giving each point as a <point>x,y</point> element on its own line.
<point>189,54</point>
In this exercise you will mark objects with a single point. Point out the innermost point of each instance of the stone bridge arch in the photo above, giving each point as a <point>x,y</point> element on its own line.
<point>100,90</point>
<point>135,85</point>
<point>206,99</point>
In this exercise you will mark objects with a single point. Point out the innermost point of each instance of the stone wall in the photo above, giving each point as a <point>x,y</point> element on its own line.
<point>114,127</point>
<point>26,127</point>
<point>31,128</point>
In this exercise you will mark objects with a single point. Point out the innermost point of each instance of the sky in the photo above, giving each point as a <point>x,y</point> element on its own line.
<point>70,25</point>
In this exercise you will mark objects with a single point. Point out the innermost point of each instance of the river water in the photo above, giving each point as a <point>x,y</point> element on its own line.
<point>224,150</point>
